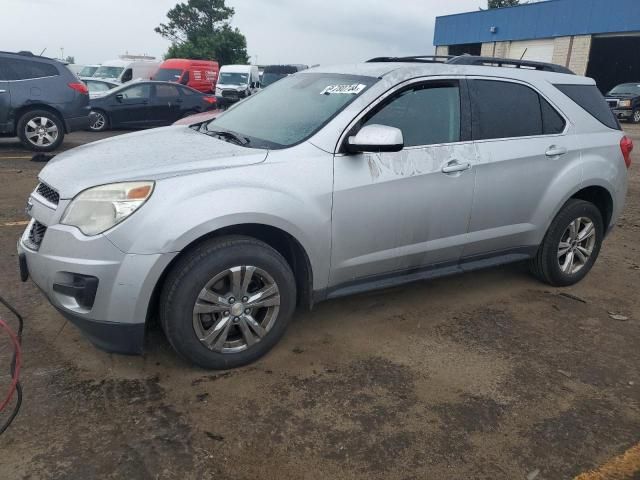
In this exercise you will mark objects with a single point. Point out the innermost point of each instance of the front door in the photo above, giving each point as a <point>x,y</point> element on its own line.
<point>132,106</point>
<point>522,148</point>
<point>394,212</point>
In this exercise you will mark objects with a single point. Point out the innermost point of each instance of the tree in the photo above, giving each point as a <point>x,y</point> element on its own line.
<point>201,29</point>
<point>503,3</point>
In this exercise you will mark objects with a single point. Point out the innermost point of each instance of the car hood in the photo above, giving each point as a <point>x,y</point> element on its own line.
<point>621,95</point>
<point>148,155</point>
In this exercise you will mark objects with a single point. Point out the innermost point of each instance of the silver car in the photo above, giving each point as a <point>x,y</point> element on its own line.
<point>331,182</point>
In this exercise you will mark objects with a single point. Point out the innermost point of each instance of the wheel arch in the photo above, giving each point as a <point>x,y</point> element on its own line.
<point>21,111</point>
<point>281,241</point>
<point>601,198</point>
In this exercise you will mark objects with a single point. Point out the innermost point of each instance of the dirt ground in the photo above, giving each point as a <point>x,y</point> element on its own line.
<point>490,375</point>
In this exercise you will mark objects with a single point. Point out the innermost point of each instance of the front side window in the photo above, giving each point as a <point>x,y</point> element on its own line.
<point>510,110</point>
<point>293,109</point>
<point>136,93</point>
<point>427,114</point>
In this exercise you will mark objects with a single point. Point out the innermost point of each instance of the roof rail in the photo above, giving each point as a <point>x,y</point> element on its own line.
<point>413,59</point>
<point>508,62</point>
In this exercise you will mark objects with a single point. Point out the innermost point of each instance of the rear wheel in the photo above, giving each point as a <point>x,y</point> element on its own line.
<point>571,245</point>
<point>227,302</point>
<point>40,130</point>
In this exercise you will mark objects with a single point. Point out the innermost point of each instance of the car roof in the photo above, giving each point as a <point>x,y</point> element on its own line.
<point>405,71</point>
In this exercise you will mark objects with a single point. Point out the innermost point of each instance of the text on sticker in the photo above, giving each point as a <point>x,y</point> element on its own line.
<point>354,89</point>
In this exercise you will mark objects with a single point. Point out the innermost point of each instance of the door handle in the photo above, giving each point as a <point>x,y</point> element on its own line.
<point>3,91</point>
<point>455,167</point>
<point>554,151</point>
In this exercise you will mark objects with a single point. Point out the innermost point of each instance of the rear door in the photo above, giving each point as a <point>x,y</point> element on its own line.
<point>5,97</point>
<point>134,108</point>
<point>167,104</point>
<point>519,136</point>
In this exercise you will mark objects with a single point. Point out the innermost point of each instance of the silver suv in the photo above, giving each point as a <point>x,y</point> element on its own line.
<point>331,182</point>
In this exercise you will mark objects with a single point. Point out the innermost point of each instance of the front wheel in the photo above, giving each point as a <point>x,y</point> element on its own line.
<point>99,122</point>
<point>227,302</point>
<point>571,246</point>
<point>636,116</point>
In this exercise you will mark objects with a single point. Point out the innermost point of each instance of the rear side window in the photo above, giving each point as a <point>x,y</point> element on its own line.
<point>187,91</point>
<point>591,100</point>
<point>511,110</point>
<point>19,69</point>
<point>166,91</point>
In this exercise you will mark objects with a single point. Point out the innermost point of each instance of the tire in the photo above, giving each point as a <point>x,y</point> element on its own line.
<point>636,116</point>
<point>552,263</point>
<point>196,272</point>
<point>40,130</point>
<point>99,121</point>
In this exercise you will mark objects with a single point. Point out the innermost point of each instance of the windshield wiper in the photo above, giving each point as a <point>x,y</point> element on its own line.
<point>230,136</point>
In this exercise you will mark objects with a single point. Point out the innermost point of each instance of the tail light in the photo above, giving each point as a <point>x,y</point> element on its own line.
<point>210,100</point>
<point>626,146</point>
<point>79,87</point>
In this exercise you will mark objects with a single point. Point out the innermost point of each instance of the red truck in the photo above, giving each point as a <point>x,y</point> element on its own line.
<point>201,75</point>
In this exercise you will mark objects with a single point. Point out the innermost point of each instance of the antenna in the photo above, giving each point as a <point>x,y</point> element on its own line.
<point>42,52</point>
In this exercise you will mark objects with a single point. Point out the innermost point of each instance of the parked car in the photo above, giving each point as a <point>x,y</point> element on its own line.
<point>98,87</point>
<point>200,75</point>
<point>237,82</point>
<point>125,70</point>
<point>374,176</point>
<point>40,101</point>
<point>624,100</point>
<point>273,73</point>
<point>146,104</point>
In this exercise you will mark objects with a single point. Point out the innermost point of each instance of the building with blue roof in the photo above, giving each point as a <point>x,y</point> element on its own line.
<point>597,38</point>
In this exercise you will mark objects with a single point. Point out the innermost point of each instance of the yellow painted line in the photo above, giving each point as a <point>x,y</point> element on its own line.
<point>16,224</point>
<point>16,158</point>
<point>622,467</point>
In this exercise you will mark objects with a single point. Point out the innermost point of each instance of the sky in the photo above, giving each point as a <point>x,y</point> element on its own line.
<point>277,31</point>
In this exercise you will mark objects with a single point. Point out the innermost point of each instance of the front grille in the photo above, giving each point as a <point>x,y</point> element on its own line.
<point>230,94</point>
<point>35,236</point>
<point>49,193</point>
<point>612,103</point>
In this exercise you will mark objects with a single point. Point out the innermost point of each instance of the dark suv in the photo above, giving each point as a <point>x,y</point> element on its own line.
<point>40,100</point>
<point>624,100</point>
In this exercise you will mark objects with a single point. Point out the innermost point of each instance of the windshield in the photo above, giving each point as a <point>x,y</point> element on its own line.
<point>168,75</point>
<point>108,72</point>
<point>88,71</point>
<point>293,109</point>
<point>233,78</point>
<point>626,89</point>
<point>269,78</point>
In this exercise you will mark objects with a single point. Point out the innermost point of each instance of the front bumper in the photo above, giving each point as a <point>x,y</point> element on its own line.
<point>103,291</point>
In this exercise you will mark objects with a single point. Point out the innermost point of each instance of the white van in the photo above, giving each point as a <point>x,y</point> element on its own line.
<point>125,70</point>
<point>236,82</point>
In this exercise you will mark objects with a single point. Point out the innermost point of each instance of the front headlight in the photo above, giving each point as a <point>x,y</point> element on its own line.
<point>99,208</point>
<point>624,103</point>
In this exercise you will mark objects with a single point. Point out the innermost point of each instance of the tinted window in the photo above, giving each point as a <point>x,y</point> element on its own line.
<point>552,121</point>
<point>18,69</point>
<point>427,115</point>
<point>591,100</point>
<point>187,91</point>
<point>127,76</point>
<point>139,91</point>
<point>166,91</point>
<point>504,110</point>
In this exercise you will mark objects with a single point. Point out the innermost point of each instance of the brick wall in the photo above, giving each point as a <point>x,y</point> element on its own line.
<point>579,58</point>
<point>495,49</point>
<point>442,50</point>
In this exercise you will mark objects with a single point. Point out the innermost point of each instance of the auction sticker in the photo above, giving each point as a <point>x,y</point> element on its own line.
<point>354,89</point>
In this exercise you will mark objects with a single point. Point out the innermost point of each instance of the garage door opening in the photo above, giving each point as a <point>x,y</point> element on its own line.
<point>614,60</point>
<point>465,49</point>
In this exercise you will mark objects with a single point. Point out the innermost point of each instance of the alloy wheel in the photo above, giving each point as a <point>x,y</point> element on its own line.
<point>98,122</point>
<point>636,116</point>
<point>41,131</point>
<point>236,309</point>
<point>576,245</point>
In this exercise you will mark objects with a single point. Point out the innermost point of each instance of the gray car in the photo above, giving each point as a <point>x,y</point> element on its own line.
<point>332,182</point>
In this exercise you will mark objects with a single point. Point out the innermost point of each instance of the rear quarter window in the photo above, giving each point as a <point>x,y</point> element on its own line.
<point>590,99</point>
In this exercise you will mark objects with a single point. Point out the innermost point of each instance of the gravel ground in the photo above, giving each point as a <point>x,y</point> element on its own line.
<point>489,375</point>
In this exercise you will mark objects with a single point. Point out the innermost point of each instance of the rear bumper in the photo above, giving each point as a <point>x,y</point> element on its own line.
<point>77,123</point>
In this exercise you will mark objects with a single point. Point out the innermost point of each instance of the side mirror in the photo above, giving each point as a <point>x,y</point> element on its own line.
<point>376,138</point>
<point>120,97</point>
